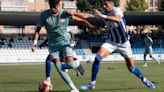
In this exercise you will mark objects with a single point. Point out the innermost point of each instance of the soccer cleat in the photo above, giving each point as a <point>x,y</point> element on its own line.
<point>80,69</point>
<point>74,90</point>
<point>148,83</point>
<point>158,62</point>
<point>87,86</point>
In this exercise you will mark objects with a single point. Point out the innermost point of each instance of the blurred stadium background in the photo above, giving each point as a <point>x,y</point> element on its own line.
<point>17,39</point>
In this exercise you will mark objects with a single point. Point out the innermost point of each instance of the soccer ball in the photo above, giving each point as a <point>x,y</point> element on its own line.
<point>45,86</point>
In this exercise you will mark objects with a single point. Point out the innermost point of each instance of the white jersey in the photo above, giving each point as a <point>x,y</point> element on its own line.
<point>117,30</point>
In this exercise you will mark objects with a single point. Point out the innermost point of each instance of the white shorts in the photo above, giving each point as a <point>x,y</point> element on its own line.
<point>124,49</point>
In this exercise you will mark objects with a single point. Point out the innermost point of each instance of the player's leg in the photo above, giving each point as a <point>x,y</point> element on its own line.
<point>64,75</point>
<point>71,63</point>
<point>48,66</point>
<point>103,52</point>
<point>151,55</point>
<point>65,66</point>
<point>145,61</point>
<point>132,68</point>
<point>126,52</point>
<point>138,73</point>
<point>77,60</point>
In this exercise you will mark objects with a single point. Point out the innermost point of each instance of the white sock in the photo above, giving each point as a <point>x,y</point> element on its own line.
<point>144,79</point>
<point>93,82</point>
<point>73,86</point>
<point>48,79</point>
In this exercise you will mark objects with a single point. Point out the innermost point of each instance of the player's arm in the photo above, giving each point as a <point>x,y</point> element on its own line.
<point>36,37</point>
<point>151,40</point>
<point>44,43</point>
<point>80,14</point>
<point>117,17</point>
<point>82,18</point>
<point>84,22</point>
<point>40,24</point>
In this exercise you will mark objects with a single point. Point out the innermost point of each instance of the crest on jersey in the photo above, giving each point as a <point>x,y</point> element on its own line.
<point>61,20</point>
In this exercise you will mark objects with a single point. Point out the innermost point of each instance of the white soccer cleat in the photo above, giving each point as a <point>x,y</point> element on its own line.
<point>88,86</point>
<point>148,83</point>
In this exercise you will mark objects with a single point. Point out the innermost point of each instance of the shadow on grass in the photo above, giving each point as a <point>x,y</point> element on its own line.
<point>110,90</point>
<point>38,91</point>
<point>97,90</point>
<point>16,82</point>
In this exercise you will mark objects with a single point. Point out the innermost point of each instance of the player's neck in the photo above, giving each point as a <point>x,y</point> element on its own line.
<point>54,12</point>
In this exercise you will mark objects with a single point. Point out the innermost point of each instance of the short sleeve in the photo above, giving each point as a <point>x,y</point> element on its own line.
<point>40,22</point>
<point>119,11</point>
<point>67,15</point>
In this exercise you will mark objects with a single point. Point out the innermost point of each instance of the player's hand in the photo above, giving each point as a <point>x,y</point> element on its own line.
<point>96,29</point>
<point>41,45</point>
<point>33,48</point>
<point>71,12</point>
<point>97,12</point>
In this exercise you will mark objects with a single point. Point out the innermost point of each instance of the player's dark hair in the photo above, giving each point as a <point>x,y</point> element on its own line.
<point>110,0</point>
<point>52,3</point>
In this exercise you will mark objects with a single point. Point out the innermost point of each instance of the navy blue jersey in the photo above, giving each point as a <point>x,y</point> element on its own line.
<point>116,30</point>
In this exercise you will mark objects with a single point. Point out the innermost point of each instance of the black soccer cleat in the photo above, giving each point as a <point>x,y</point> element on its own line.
<point>80,69</point>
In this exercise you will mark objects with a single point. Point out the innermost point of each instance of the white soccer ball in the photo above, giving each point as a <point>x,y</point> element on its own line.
<point>45,86</point>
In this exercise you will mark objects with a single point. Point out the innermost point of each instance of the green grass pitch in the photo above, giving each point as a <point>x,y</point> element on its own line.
<point>112,77</point>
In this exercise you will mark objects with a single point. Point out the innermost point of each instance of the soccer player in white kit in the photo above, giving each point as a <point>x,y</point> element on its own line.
<point>118,42</point>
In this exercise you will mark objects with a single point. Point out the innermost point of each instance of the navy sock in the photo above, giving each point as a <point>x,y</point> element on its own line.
<point>71,65</point>
<point>48,66</point>
<point>95,67</point>
<point>65,66</point>
<point>137,72</point>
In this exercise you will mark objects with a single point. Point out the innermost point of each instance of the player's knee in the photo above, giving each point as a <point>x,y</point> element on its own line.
<point>132,69</point>
<point>69,59</point>
<point>48,59</point>
<point>98,58</point>
<point>74,64</point>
